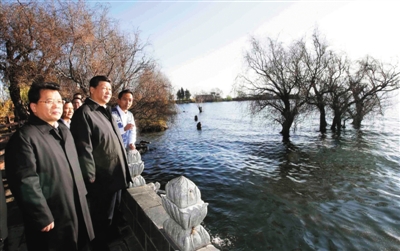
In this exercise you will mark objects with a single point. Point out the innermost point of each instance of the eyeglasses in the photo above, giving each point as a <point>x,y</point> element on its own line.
<point>52,101</point>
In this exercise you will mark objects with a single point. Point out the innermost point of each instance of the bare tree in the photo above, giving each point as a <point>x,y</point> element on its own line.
<point>282,80</point>
<point>361,91</point>
<point>339,99</point>
<point>98,47</point>
<point>369,85</point>
<point>277,79</point>
<point>325,69</point>
<point>66,42</point>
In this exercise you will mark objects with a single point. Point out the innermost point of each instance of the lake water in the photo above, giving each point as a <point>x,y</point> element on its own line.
<point>318,192</point>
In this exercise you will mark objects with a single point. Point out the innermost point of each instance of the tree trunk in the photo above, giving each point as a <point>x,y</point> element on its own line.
<point>357,121</point>
<point>322,119</point>
<point>285,132</point>
<point>20,112</point>
<point>286,125</point>
<point>358,117</point>
<point>336,123</point>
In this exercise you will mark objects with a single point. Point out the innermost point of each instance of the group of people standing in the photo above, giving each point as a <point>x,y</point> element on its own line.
<point>67,168</point>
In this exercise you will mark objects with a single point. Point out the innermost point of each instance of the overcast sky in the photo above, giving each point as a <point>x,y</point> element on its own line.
<point>200,44</point>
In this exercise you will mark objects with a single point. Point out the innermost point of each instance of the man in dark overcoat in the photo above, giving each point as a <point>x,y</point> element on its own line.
<point>102,158</point>
<point>43,172</point>
<point>3,215</point>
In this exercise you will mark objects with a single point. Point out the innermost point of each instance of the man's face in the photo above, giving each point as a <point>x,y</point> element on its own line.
<point>125,102</point>
<point>102,93</point>
<point>68,111</point>
<point>76,103</point>
<point>49,106</point>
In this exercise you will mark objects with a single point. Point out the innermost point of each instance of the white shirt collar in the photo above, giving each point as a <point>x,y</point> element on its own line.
<point>66,122</point>
<point>121,111</point>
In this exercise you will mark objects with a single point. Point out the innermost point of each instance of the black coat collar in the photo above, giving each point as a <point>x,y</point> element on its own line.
<point>42,125</point>
<point>45,127</point>
<point>95,106</point>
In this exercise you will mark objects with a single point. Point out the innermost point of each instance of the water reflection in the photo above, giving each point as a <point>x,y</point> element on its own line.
<point>316,192</point>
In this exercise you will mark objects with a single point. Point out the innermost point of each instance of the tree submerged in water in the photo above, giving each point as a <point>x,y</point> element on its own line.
<point>289,81</point>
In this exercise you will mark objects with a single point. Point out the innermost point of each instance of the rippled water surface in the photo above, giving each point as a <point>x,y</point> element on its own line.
<point>318,192</point>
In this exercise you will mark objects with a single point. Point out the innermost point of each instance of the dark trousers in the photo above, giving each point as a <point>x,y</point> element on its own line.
<point>105,213</point>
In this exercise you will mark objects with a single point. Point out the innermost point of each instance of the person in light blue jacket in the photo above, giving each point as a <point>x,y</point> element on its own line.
<point>125,119</point>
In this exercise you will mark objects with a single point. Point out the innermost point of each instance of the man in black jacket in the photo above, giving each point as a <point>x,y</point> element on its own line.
<point>102,157</point>
<point>45,179</point>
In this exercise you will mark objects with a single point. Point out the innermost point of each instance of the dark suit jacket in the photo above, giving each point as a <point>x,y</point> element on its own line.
<point>100,148</point>
<point>3,212</point>
<point>46,181</point>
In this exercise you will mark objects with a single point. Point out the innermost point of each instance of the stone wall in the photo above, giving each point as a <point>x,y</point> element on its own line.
<point>143,209</point>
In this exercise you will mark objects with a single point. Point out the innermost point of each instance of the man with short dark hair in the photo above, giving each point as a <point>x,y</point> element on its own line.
<point>76,103</point>
<point>102,157</point>
<point>78,95</point>
<point>45,179</point>
<point>124,118</point>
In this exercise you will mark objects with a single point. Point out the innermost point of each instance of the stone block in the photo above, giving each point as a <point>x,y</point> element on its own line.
<point>188,217</point>
<point>182,192</point>
<point>187,240</point>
